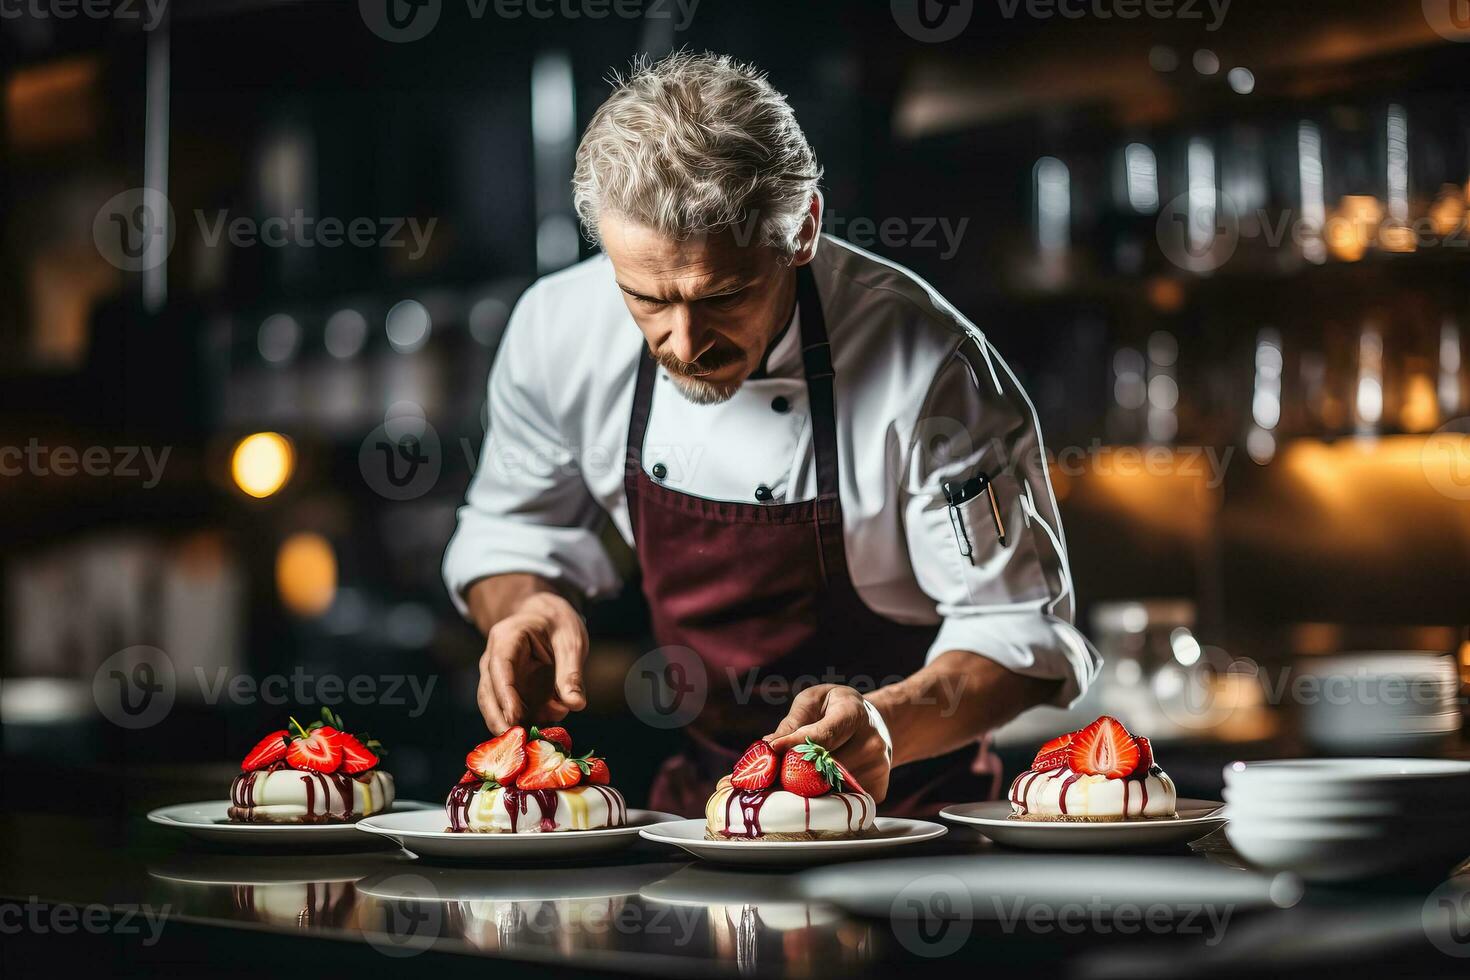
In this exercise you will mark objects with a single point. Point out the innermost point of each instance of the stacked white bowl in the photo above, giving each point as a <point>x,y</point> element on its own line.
<point>1381,702</point>
<point>1341,819</point>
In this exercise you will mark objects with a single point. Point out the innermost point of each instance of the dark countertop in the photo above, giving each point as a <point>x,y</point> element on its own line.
<point>140,898</point>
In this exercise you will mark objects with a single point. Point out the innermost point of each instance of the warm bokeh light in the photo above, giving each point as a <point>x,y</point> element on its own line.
<point>306,574</point>
<point>262,463</point>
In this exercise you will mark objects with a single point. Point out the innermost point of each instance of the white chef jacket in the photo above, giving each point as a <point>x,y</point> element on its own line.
<point>920,397</point>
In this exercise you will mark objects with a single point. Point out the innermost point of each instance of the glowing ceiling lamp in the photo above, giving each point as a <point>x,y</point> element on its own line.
<point>262,463</point>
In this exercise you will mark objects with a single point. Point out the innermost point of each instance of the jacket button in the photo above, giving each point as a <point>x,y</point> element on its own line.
<point>763,493</point>
<point>660,471</point>
<point>780,405</point>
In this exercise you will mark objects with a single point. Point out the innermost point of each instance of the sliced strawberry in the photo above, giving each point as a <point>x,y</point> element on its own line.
<point>549,768</point>
<point>809,770</point>
<point>502,758</point>
<point>1145,754</point>
<point>356,757</point>
<point>554,733</point>
<point>1051,750</point>
<point>470,776</point>
<point>1055,759</point>
<point>756,769</point>
<point>270,749</point>
<point>315,752</point>
<point>1104,748</point>
<point>597,772</point>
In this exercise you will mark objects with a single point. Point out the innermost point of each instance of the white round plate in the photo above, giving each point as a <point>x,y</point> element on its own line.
<point>1196,819</point>
<point>892,832</point>
<point>210,821</point>
<point>423,834</point>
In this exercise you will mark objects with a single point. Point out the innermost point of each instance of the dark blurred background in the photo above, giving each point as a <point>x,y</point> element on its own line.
<point>1224,249</point>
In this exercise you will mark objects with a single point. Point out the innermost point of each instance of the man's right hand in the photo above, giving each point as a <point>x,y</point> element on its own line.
<point>531,671</point>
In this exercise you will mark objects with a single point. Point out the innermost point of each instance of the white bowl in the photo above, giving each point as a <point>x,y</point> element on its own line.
<point>1350,779</point>
<point>1341,853</point>
<point>1245,806</point>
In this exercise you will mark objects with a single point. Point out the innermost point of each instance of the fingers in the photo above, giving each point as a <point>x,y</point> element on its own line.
<point>806,709</point>
<point>828,717</point>
<point>569,652</point>
<point>507,646</point>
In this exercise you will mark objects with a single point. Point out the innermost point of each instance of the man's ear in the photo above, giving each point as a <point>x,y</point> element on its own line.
<point>810,234</point>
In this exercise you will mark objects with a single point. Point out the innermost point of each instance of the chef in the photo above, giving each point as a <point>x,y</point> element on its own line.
<point>825,471</point>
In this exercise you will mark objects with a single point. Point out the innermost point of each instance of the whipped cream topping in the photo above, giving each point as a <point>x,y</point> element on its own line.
<point>478,808</point>
<point>1061,792</point>
<point>735,813</point>
<point>285,795</point>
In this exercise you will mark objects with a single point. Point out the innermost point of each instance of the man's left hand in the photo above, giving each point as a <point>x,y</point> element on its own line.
<point>844,723</point>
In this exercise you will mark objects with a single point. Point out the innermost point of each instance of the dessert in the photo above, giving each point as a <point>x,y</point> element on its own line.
<point>522,782</point>
<point>317,774</point>
<point>1101,772</point>
<point>803,795</point>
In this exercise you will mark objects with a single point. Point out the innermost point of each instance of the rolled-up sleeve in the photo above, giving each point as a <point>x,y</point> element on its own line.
<point>1014,602</point>
<point>528,508</point>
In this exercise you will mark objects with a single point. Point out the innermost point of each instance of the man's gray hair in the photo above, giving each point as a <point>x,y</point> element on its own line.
<point>697,144</point>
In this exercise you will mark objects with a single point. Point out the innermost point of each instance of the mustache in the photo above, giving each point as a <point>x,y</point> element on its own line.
<point>707,363</point>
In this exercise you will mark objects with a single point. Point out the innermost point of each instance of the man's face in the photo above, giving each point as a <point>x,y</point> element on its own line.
<point>707,306</point>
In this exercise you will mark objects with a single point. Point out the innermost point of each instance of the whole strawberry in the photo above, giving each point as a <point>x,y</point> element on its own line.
<point>809,770</point>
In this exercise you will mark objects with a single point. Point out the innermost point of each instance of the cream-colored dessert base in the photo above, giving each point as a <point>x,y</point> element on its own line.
<point>585,807</point>
<point>298,796</point>
<point>828,817</point>
<point>1040,796</point>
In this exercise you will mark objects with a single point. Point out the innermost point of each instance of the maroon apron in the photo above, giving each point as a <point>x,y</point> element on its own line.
<point>761,592</point>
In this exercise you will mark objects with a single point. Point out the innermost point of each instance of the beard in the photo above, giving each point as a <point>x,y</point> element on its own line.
<point>687,380</point>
